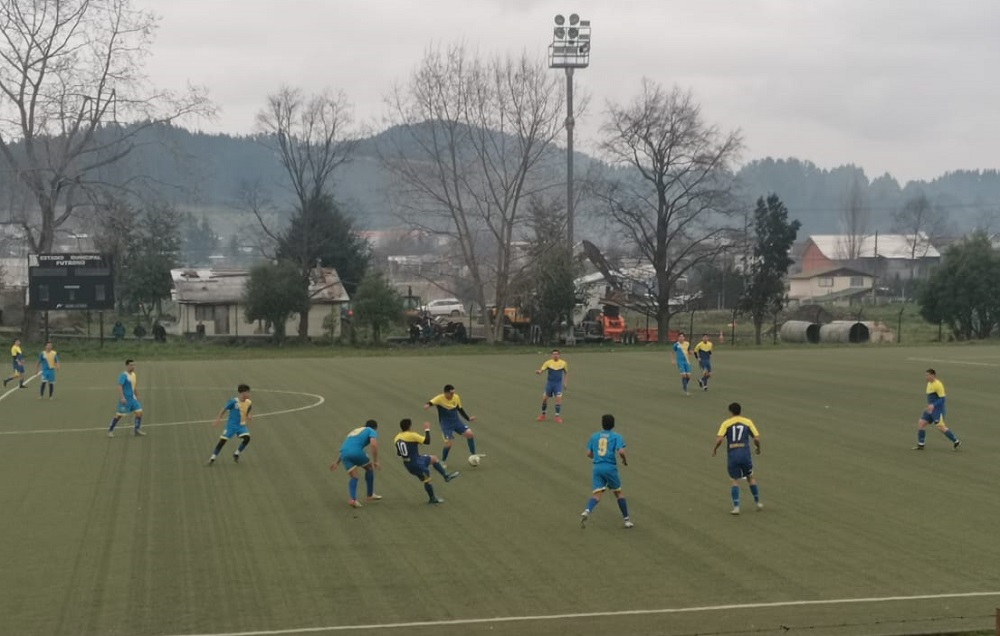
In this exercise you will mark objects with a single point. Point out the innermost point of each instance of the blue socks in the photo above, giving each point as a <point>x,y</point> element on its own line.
<point>438,468</point>
<point>558,410</point>
<point>921,436</point>
<point>623,506</point>
<point>352,488</point>
<point>755,492</point>
<point>138,422</point>
<point>684,383</point>
<point>370,481</point>
<point>591,504</point>
<point>735,490</point>
<point>950,436</point>
<point>114,423</point>
<point>472,440</point>
<point>444,453</point>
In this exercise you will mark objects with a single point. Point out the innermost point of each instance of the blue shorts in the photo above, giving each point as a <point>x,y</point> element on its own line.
<point>49,375</point>
<point>606,477</point>
<point>684,367</point>
<point>932,418</point>
<point>553,389</point>
<point>419,466</point>
<point>450,429</point>
<point>740,467</point>
<point>18,367</point>
<point>131,406</point>
<point>354,459</point>
<point>706,365</point>
<point>235,430</point>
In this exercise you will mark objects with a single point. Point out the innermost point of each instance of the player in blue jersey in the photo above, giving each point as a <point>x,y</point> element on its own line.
<point>48,364</point>
<point>737,431</point>
<point>704,352</point>
<point>239,416</point>
<point>128,400</point>
<point>449,408</point>
<point>934,413</point>
<point>17,363</point>
<point>352,456</point>
<point>682,361</point>
<point>605,448</point>
<point>407,444</point>
<point>556,381</point>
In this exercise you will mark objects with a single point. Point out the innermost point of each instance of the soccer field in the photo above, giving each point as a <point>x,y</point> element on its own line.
<point>859,535</point>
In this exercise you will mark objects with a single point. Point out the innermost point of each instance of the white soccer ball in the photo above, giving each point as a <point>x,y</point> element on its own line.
<point>474,460</point>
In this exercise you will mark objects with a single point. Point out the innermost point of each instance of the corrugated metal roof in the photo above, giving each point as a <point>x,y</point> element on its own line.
<point>900,246</point>
<point>225,287</point>
<point>833,271</point>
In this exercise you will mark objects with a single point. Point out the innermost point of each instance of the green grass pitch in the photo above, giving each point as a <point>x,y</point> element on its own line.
<point>859,535</point>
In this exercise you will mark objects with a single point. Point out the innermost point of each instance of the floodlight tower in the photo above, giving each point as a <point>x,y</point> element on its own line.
<point>570,49</point>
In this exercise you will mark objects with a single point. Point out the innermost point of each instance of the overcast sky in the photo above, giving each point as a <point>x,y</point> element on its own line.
<point>905,86</point>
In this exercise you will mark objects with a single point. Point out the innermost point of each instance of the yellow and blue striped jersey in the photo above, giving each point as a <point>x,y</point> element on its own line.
<point>447,408</point>
<point>408,443</point>
<point>556,368</point>
<point>737,431</point>
<point>16,353</point>
<point>127,382</point>
<point>703,350</point>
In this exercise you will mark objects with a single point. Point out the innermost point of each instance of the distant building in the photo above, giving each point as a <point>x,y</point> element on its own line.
<point>885,256</point>
<point>835,286</point>
<point>214,298</point>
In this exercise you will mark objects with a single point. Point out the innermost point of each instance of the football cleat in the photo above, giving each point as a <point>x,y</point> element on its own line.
<point>211,461</point>
<point>558,419</point>
<point>451,476</point>
<point>540,418</point>
<point>735,510</point>
<point>236,457</point>
<point>918,447</point>
<point>701,383</point>
<point>140,433</point>
<point>956,444</point>
<point>111,433</point>
<point>373,497</point>
<point>629,524</point>
<point>760,506</point>
<point>583,518</point>
<point>436,500</point>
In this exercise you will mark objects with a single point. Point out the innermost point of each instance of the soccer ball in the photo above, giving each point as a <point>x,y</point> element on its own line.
<point>474,460</point>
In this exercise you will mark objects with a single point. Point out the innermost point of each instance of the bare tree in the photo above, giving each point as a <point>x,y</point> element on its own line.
<point>920,223</point>
<point>673,199</point>
<point>311,135</point>
<point>469,150</point>
<point>73,99</point>
<point>854,217</point>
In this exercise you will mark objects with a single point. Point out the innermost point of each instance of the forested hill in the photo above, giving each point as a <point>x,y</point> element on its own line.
<point>206,171</point>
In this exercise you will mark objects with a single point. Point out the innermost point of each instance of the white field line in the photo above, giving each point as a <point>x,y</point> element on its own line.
<point>554,617</point>
<point>17,388</point>
<point>319,400</point>
<point>965,362</point>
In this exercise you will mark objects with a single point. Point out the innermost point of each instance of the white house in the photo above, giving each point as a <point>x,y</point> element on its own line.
<point>214,300</point>
<point>838,286</point>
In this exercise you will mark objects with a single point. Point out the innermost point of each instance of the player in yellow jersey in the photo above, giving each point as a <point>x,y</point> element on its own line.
<point>17,361</point>
<point>934,412</point>
<point>703,351</point>
<point>407,444</point>
<point>737,432</point>
<point>556,381</point>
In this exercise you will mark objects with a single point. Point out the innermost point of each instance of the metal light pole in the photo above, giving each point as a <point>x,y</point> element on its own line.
<point>570,49</point>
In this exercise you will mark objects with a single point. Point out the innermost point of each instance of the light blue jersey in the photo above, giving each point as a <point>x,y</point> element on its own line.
<point>357,440</point>
<point>605,446</point>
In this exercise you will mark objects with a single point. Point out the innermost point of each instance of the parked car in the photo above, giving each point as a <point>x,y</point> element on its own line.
<point>445,307</point>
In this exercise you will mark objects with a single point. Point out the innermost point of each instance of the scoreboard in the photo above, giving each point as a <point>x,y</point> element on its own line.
<point>70,281</point>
